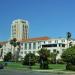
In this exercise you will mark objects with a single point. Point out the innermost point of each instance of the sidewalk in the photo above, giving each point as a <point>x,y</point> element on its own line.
<point>56,71</point>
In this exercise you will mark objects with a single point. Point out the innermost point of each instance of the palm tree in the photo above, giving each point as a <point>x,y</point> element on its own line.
<point>13,43</point>
<point>44,55</point>
<point>18,51</point>
<point>68,37</point>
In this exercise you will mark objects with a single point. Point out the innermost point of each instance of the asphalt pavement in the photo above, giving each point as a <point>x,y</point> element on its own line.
<point>18,72</point>
<point>30,72</point>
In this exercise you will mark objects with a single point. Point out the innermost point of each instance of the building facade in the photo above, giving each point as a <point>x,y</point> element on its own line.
<point>33,45</point>
<point>19,29</point>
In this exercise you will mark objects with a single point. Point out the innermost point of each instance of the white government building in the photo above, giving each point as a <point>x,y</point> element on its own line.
<point>20,29</point>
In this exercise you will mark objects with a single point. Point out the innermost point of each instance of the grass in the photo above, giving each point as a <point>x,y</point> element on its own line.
<point>15,65</point>
<point>57,66</point>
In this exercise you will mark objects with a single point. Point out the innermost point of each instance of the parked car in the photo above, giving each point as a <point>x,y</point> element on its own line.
<point>1,66</point>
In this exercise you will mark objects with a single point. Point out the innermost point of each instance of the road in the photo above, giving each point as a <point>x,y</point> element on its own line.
<point>16,72</point>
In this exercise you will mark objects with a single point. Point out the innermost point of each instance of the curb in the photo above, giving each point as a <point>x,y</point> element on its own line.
<point>55,71</point>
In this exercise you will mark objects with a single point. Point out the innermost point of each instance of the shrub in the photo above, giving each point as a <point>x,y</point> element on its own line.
<point>29,59</point>
<point>8,57</point>
<point>71,67</point>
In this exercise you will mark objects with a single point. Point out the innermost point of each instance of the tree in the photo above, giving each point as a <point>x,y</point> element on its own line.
<point>69,38</point>
<point>43,58</point>
<point>14,43</point>
<point>18,51</point>
<point>29,59</point>
<point>8,57</point>
<point>11,42</point>
<point>1,50</point>
<point>68,35</point>
<point>53,56</point>
<point>68,56</point>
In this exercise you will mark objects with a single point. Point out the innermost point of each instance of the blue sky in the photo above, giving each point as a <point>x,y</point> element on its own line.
<point>51,18</point>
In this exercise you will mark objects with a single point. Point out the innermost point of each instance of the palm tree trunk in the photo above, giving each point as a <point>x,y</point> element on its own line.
<point>18,51</point>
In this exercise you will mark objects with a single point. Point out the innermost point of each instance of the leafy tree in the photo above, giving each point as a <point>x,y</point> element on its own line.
<point>43,58</point>
<point>69,55</point>
<point>29,59</point>
<point>53,56</point>
<point>8,57</point>
<point>1,52</point>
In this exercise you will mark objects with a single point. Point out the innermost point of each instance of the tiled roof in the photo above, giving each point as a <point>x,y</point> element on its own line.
<point>2,43</point>
<point>35,39</point>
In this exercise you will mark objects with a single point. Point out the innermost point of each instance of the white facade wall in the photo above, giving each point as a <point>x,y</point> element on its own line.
<point>39,43</point>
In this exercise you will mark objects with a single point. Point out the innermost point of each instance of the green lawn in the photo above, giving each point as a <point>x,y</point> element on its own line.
<point>57,66</point>
<point>15,65</point>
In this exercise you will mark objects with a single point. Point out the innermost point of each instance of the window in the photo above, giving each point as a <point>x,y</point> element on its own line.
<point>25,45</point>
<point>50,45</point>
<point>63,40</point>
<point>38,42</point>
<point>25,27</point>
<point>60,44</point>
<point>44,42</point>
<point>56,41</point>
<point>34,45</point>
<point>29,45</point>
<point>25,52</point>
<point>38,47</point>
<point>63,45</point>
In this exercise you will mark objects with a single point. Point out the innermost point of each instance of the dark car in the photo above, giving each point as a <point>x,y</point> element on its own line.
<point>1,66</point>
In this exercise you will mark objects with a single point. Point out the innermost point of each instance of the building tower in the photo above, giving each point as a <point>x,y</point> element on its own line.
<point>19,29</point>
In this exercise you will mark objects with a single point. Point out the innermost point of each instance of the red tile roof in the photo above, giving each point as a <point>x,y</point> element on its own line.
<point>35,39</point>
<point>2,43</point>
